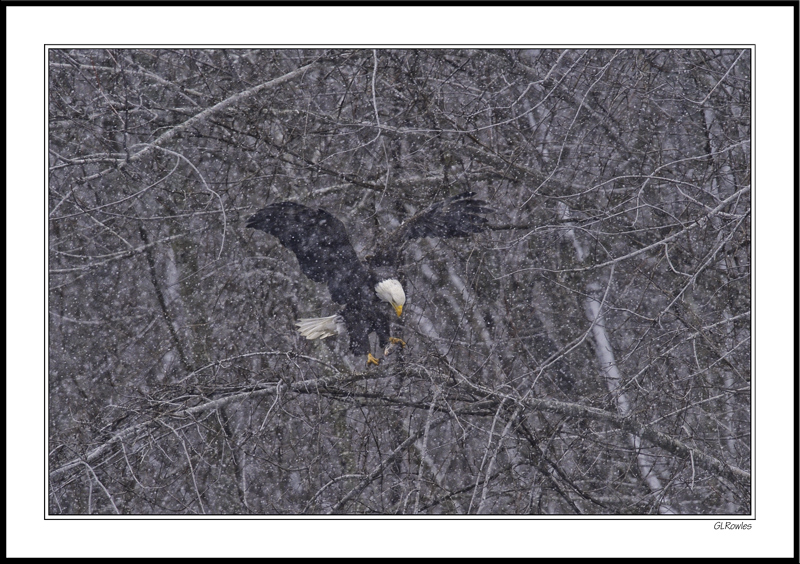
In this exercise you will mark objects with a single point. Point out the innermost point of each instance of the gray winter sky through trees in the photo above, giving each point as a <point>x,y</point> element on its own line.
<point>613,281</point>
<point>589,354</point>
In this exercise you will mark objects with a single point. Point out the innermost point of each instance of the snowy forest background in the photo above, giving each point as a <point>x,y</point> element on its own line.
<point>589,354</point>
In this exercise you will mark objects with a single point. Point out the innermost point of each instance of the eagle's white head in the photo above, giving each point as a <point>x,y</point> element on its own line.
<point>392,291</point>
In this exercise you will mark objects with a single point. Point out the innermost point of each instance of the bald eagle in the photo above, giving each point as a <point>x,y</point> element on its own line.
<point>322,247</point>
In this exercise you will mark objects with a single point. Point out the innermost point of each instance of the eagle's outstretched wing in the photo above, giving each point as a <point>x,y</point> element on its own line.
<point>321,245</point>
<point>456,216</point>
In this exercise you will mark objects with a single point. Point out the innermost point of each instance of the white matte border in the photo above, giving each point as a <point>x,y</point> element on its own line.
<point>30,28</point>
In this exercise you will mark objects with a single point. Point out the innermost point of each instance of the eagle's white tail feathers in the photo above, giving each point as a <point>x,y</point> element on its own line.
<point>321,327</point>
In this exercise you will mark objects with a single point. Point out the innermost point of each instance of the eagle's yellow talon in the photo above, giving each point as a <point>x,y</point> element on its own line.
<point>372,360</point>
<point>396,341</point>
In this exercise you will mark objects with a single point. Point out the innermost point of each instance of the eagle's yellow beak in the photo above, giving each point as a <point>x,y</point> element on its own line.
<point>399,310</point>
